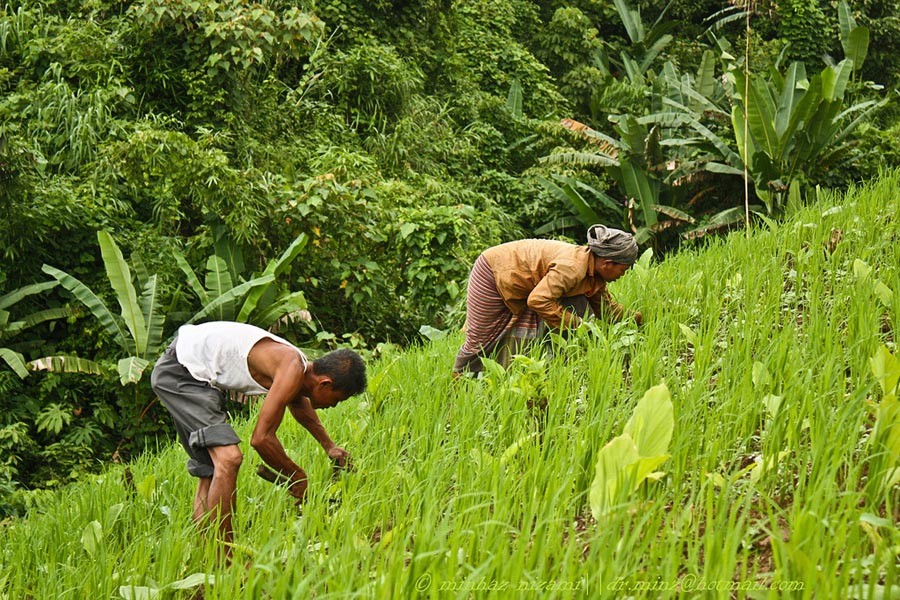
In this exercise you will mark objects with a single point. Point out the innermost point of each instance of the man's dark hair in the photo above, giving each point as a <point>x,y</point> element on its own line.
<point>346,369</point>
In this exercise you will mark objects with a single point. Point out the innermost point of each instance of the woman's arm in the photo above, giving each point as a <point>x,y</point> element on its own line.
<point>544,298</point>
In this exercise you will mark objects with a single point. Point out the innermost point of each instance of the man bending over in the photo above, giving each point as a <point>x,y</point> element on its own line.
<point>207,360</point>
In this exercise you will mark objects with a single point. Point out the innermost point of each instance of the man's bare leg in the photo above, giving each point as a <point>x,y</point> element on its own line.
<point>201,499</point>
<point>220,494</point>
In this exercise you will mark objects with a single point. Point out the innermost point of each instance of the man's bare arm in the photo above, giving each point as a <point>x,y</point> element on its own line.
<point>264,439</point>
<point>305,414</point>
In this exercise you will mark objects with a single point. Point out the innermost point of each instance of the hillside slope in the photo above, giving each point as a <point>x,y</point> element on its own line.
<point>775,484</point>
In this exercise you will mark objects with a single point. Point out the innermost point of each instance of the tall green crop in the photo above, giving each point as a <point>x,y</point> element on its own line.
<point>778,353</point>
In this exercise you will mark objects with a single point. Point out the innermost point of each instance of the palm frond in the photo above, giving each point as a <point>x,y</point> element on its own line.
<point>583,159</point>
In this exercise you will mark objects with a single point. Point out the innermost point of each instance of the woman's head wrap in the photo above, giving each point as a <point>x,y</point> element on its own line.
<point>612,244</point>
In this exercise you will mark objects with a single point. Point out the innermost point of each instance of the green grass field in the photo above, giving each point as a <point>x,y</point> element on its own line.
<point>780,479</point>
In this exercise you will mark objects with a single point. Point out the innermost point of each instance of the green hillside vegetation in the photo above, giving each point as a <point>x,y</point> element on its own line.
<point>331,169</point>
<point>745,439</point>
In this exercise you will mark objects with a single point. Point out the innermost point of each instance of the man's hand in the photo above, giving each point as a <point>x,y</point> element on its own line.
<point>296,488</point>
<point>340,458</point>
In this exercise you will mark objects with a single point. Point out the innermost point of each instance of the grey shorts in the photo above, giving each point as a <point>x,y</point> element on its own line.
<point>197,408</point>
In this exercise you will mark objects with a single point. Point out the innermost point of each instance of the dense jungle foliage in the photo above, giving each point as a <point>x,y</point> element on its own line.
<point>332,168</point>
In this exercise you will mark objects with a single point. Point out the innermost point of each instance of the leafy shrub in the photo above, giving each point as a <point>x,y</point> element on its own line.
<point>400,255</point>
<point>181,184</point>
<point>483,60</point>
<point>371,83</point>
<point>806,29</point>
<point>200,54</point>
<point>52,430</point>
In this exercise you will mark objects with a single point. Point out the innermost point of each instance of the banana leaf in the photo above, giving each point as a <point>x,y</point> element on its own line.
<point>192,279</point>
<point>804,113</point>
<point>674,213</point>
<point>275,268</point>
<point>816,135</point>
<point>854,39</point>
<point>514,99</point>
<point>48,314</point>
<point>113,324</point>
<point>219,283</point>
<point>592,135</point>
<point>17,295</point>
<point>866,108</point>
<point>15,361</point>
<point>669,118</point>
<point>68,364</point>
<point>789,98</point>
<point>846,22</point>
<point>120,279</point>
<point>557,224</point>
<point>653,51</point>
<point>705,81</point>
<point>761,114</point>
<point>714,167</point>
<point>721,145</point>
<point>229,251</point>
<point>593,159</point>
<point>602,196</point>
<point>633,133</point>
<point>652,151</point>
<point>642,189</point>
<point>141,273</point>
<point>230,296</point>
<point>857,47</point>
<point>835,79</point>
<point>154,317</point>
<point>672,83</point>
<point>725,218</point>
<point>642,235</point>
<point>131,369</point>
<point>631,20</point>
<point>632,69</point>
<point>585,213</point>
<point>741,135</point>
<point>284,305</point>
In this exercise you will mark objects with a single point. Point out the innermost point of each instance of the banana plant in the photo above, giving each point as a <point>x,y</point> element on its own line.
<point>646,42</point>
<point>572,192</point>
<point>137,329</point>
<point>9,329</point>
<point>795,124</point>
<point>257,301</point>
<point>637,163</point>
<point>854,38</point>
<point>653,148</point>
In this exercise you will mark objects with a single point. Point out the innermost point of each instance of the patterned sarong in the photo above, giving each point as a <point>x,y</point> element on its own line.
<point>490,323</point>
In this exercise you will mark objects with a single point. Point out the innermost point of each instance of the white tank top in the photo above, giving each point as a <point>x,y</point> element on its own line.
<point>216,352</point>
